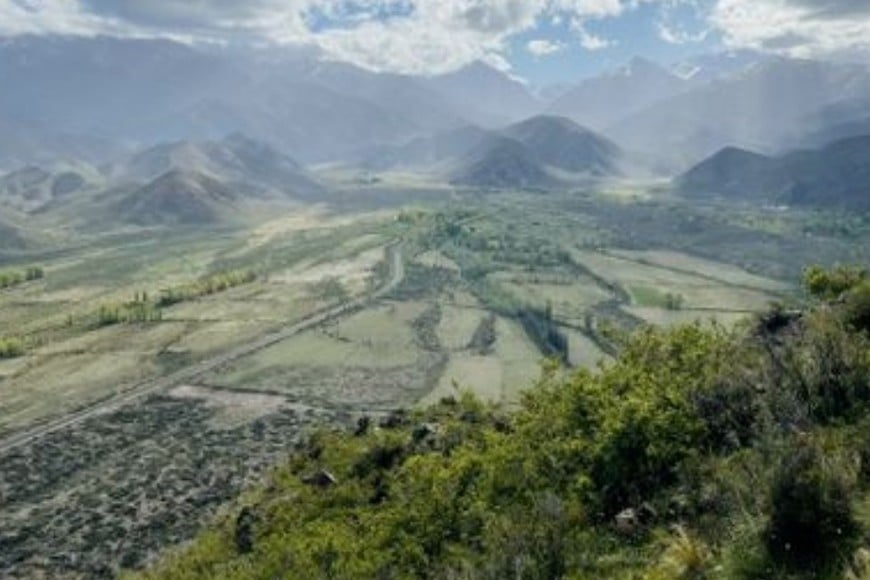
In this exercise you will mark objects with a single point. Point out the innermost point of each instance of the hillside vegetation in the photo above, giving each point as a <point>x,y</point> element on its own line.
<point>699,452</point>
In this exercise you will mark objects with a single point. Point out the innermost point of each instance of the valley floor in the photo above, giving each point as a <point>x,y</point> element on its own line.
<point>119,438</point>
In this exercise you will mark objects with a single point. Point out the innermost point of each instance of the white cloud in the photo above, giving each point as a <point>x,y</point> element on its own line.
<point>804,28</point>
<point>542,47</point>
<point>431,36</point>
<point>593,42</point>
<point>675,35</point>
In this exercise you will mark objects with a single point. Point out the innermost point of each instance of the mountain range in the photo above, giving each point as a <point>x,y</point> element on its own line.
<point>542,151</point>
<point>836,176</point>
<point>763,108</point>
<point>140,110</point>
<point>183,182</point>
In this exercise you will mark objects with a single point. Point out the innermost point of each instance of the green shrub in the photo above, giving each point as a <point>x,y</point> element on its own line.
<point>857,307</point>
<point>811,526</point>
<point>831,284</point>
<point>205,287</point>
<point>11,347</point>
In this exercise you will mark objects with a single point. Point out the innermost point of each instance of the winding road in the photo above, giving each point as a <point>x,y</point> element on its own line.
<point>194,371</point>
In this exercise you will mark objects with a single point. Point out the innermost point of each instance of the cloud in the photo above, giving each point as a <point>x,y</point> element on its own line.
<point>407,36</point>
<point>801,28</point>
<point>542,47</point>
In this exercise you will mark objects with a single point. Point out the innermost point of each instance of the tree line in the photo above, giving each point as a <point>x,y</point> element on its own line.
<point>10,279</point>
<point>143,308</point>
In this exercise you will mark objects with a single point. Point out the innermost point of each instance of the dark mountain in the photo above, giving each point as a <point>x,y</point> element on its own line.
<point>236,159</point>
<point>178,198</point>
<point>562,144</point>
<point>503,163</point>
<point>486,96</point>
<point>837,176</point>
<point>761,109</point>
<point>601,101</point>
<point>539,152</point>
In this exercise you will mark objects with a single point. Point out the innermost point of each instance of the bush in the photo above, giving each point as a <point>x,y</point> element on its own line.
<point>811,526</point>
<point>205,287</point>
<point>857,307</point>
<point>11,348</point>
<point>831,284</point>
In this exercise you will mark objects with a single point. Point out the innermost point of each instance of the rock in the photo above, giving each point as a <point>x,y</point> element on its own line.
<point>322,479</point>
<point>627,522</point>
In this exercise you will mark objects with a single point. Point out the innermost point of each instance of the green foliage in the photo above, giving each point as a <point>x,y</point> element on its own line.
<point>857,306</point>
<point>10,279</point>
<point>330,289</point>
<point>128,313</point>
<point>698,453</point>
<point>11,348</point>
<point>205,287</point>
<point>831,284</point>
<point>811,526</point>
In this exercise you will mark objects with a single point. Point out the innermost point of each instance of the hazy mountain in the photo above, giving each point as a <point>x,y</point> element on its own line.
<point>562,144</point>
<point>835,122</point>
<point>12,237</point>
<point>486,96</point>
<point>406,97</point>
<point>600,101</point>
<point>837,176</point>
<point>177,197</point>
<point>539,152</point>
<point>761,109</point>
<point>705,68</point>
<point>503,163</point>
<point>32,188</point>
<point>235,159</point>
<point>23,144</point>
<point>107,87</point>
<point>426,154</point>
<point>837,132</point>
<point>152,91</point>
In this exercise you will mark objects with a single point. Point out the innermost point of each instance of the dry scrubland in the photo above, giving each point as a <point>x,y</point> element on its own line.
<point>489,285</point>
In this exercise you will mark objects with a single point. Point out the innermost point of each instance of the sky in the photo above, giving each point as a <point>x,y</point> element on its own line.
<point>541,41</point>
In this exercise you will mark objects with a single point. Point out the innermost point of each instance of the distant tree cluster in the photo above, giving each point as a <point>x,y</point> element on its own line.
<point>10,279</point>
<point>142,308</point>
<point>128,313</point>
<point>11,347</point>
<point>674,301</point>
<point>206,287</point>
<point>541,327</point>
<point>330,289</point>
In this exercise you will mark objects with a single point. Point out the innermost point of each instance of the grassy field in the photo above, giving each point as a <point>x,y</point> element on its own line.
<point>71,362</point>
